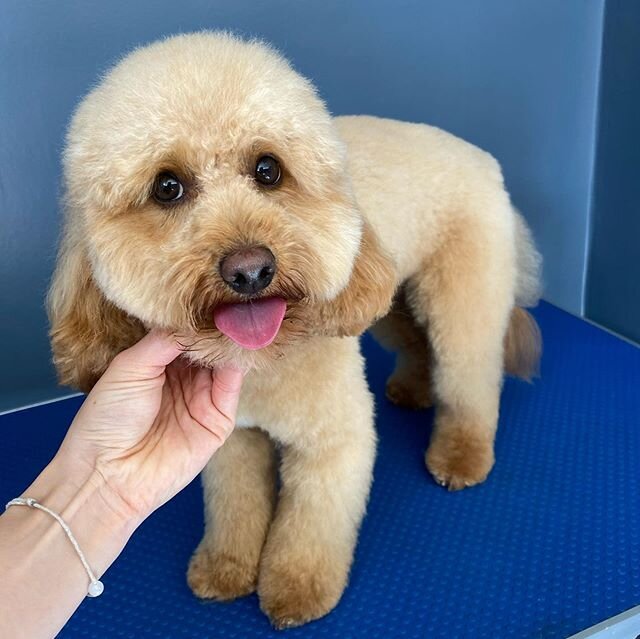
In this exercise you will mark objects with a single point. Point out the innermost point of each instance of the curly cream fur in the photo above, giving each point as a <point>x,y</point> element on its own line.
<point>366,207</point>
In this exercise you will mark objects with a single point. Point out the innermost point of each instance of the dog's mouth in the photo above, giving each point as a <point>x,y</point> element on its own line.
<point>253,324</point>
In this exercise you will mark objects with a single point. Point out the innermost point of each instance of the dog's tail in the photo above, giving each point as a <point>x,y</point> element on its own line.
<point>523,343</point>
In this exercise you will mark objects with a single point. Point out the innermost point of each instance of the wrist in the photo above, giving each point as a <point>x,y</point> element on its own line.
<point>103,479</point>
<point>80,495</point>
<point>36,553</point>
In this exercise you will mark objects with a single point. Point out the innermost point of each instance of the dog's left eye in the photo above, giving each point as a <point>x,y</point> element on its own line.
<point>167,188</point>
<point>267,170</point>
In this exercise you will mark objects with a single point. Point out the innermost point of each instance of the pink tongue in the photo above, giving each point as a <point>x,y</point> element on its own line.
<point>252,325</point>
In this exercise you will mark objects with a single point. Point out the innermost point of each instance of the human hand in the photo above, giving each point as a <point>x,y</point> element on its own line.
<point>150,424</point>
<point>146,430</point>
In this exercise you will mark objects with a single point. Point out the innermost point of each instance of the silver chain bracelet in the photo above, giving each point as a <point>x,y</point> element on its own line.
<point>96,587</point>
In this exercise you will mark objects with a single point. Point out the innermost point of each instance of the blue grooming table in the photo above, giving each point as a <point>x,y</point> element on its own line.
<point>548,546</point>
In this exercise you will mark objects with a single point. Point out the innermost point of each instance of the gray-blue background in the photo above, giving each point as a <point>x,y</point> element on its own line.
<point>520,79</point>
<point>613,291</point>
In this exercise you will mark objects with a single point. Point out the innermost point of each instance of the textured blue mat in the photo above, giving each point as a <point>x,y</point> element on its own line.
<point>548,546</point>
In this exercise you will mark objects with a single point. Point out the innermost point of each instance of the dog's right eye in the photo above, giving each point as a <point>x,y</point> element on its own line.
<point>167,188</point>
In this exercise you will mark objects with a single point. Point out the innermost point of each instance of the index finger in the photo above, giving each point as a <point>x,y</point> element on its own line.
<point>150,356</point>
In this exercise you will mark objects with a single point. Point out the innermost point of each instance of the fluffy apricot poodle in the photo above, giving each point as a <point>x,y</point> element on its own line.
<point>209,192</point>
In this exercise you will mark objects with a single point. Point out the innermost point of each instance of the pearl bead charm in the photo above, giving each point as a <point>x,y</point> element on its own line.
<point>96,588</point>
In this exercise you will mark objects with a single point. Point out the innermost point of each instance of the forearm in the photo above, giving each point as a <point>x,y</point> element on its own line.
<point>42,580</point>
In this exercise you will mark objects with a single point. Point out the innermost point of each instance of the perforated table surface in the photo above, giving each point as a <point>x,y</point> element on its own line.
<point>548,546</point>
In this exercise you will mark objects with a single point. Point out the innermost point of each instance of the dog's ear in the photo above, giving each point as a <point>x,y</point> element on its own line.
<point>368,295</point>
<point>87,331</point>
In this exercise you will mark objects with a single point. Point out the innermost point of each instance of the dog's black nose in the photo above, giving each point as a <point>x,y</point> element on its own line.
<point>248,271</point>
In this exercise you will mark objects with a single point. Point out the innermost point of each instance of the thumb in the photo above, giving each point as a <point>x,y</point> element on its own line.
<point>225,391</point>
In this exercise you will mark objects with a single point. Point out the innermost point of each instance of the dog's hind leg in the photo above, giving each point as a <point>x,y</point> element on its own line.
<point>410,383</point>
<point>464,296</point>
<point>239,494</point>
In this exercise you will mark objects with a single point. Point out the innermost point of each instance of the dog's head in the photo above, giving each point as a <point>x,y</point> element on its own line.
<point>207,193</point>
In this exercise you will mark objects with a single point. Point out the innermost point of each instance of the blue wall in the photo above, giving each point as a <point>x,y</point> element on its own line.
<point>518,78</point>
<point>613,291</point>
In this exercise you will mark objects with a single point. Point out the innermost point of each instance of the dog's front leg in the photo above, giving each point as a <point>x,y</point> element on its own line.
<point>325,485</point>
<point>239,496</point>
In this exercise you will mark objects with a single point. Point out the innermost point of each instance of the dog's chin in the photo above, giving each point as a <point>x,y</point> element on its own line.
<point>247,334</point>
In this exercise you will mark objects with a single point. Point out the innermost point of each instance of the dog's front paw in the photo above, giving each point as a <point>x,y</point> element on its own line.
<point>220,576</point>
<point>458,459</point>
<point>292,594</point>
